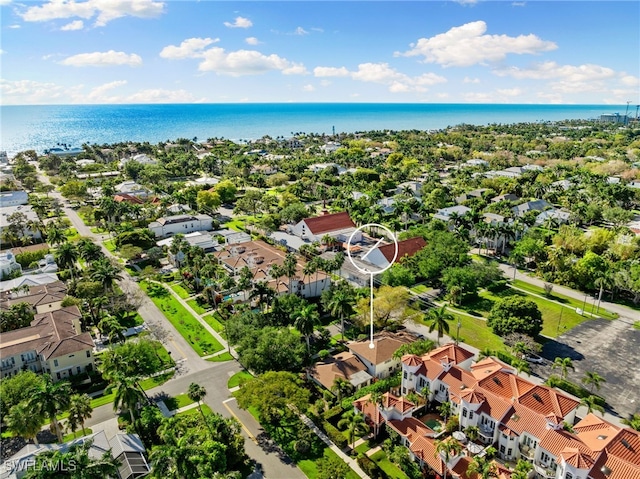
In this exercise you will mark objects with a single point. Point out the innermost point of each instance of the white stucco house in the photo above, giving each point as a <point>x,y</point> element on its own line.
<point>171,225</point>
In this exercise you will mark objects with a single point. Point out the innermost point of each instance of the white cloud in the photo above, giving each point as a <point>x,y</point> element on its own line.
<point>160,95</point>
<point>630,80</point>
<point>190,48</point>
<point>300,31</point>
<point>251,41</point>
<point>247,62</point>
<point>75,25</point>
<point>22,92</point>
<point>308,88</point>
<point>471,80</point>
<point>99,59</point>
<point>330,72</point>
<point>2,52</point>
<point>239,22</point>
<point>4,2</point>
<point>468,45</point>
<point>552,70</point>
<point>382,73</point>
<point>509,91</point>
<point>103,10</point>
<point>99,92</point>
<point>14,27</point>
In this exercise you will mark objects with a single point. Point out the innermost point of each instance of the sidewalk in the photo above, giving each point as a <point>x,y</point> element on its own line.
<point>353,464</point>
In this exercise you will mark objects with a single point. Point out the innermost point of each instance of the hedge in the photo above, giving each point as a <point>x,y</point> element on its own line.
<point>370,468</point>
<point>335,435</point>
<point>28,257</point>
<point>575,389</point>
<point>333,412</point>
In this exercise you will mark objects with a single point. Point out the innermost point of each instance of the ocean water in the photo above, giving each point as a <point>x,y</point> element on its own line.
<point>43,127</point>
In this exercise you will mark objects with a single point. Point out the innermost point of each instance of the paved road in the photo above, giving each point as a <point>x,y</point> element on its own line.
<point>190,367</point>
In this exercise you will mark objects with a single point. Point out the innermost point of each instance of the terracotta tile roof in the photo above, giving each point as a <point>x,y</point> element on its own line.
<point>472,396</point>
<point>385,346</point>
<point>343,365</point>
<point>506,431</point>
<point>425,449</point>
<point>522,419</point>
<point>400,404</point>
<point>487,367</point>
<point>626,446</point>
<point>615,467</point>
<point>326,223</point>
<point>506,385</point>
<point>545,400</point>
<point>457,379</point>
<point>557,440</point>
<point>411,360</point>
<point>451,352</point>
<point>369,409</point>
<point>577,459</point>
<point>461,467</point>
<point>127,198</point>
<point>411,428</point>
<point>495,406</point>
<point>595,433</point>
<point>407,247</point>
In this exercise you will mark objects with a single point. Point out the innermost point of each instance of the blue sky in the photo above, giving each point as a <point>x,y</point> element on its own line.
<point>152,51</point>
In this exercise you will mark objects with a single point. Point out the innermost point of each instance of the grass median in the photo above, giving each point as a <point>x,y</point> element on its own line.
<point>189,327</point>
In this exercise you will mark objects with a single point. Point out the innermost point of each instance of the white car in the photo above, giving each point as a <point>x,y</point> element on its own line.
<point>533,358</point>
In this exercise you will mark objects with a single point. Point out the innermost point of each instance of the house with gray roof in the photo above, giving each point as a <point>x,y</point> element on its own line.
<point>535,205</point>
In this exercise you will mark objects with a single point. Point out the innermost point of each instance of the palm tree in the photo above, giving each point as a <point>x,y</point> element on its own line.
<point>89,251</point>
<point>341,387</point>
<point>127,395</point>
<point>446,448</point>
<point>355,424</point>
<point>106,273</point>
<point>593,380</point>
<point>197,393</point>
<point>445,409</point>
<point>49,400</point>
<point>439,320</point>
<point>340,303</point>
<point>633,421</point>
<point>112,328</point>
<point>472,432</point>
<point>55,235</point>
<point>66,256</point>
<point>483,467</point>
<point>590,402</point>
<point>22,421</point>
<point>522,470</point>
<point>80,410</point>
<point>305,322</point>
<point>564,364</point>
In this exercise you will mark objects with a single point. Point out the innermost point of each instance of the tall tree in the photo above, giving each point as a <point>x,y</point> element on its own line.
<point>355,425</point>
<point>447,449</point>
<point>80,410</point>
<point>306,320</point>
<point>49,400</point>
<point>197,393</point>
<point>22,421</point>
<point>439,321</point>
<point>127,394</point>
<point>339,301</point>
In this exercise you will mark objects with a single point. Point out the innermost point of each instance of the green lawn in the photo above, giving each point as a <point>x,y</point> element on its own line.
<point>180,291</point>
<point>221,358</point>
<point>310,467</point>
<point>206,410</point>
<point>237,378</point>
<point>110,245</point>
<point>176,402</point>
<point>569,302</point>
<point>72,234</point>
<point>150,383</point>
<point>636,325</point>
<point>189,327</point>
<point>71,436</point>
<point>213,321</point>
<point>196,307</point>
<point>238,223</point>
<point>390,469</point>
<point>362,448</point>
<point>419,288</point>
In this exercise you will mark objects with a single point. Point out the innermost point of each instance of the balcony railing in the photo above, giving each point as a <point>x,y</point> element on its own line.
<point>527,451</point>
<point>544,471</point>
<point>441,396</point>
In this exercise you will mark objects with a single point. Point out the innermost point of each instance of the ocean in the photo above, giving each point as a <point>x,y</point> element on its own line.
<point>44,127</point>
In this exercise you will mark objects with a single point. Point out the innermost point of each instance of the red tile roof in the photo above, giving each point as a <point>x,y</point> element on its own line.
<point>127,198</point>
<point>577,459</point>
<point>325,223</point>
<point>451,352</point>
<point>407,247</point>
<point>400,404</point>
<point>425,449</point>
<point>411,428</point>
<point>369,409</point>
<point>545,400</point>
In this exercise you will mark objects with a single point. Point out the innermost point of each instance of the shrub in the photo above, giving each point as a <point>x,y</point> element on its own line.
<point>28,257</point>
<point>575,389</point>
<point>515,315</point>
<point>452,424</point>
<point>333,412</point>
<point>369,467</point>
<point>335,435</point>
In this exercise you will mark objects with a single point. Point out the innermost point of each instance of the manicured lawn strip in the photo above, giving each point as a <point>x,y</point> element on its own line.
<point>238,223</point>
<point>150,383</point>
<point>182,400</point>
<point>553,323</point>
<point>189,327</point>
<point>221,358</point>
<point>391,470</point>
<point>237,378</point>
<point>180,291</point>
<point>206,410</point>
<point>72,234</point>
<point>567,301</point>
<point>78,433</point>
<point>419,288</point>
<point>196,307</point>
<point>310,468</point>
<point>110,245</point>
<point>474,332</point>
<point>362,448</point>
<point>212,321</point>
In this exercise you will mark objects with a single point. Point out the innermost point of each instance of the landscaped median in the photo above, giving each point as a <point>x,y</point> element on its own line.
<point>187,325</point>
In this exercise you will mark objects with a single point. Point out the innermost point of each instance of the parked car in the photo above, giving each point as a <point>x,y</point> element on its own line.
<point>533,358</point>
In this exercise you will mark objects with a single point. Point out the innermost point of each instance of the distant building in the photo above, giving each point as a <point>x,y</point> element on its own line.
<point>477,162</point>
<point>382,256</point>
<point>445,214</point>
<point>478,193</point>
<point>614,118</point>
<point>42,298</point>
<point>346,366</point>
<point>30,217</point>
<point>379,361</point>
<point>54,344</point>
<point>13,198</point>
<point>132,188</point>
<point>535,205</point>
<point>507,197</point>
<point>171,225</point>
<point>139,158</point>
<point>558,216</point>
<point>415,187</point>
<point>337,225</point>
